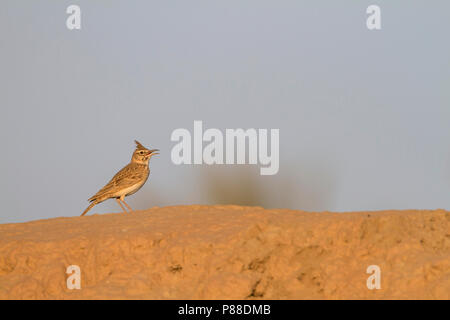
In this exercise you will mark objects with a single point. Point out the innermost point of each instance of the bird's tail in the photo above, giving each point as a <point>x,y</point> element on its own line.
<point>93,203</point>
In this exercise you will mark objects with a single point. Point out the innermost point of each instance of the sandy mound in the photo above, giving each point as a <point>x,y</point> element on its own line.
<point>229,252</point>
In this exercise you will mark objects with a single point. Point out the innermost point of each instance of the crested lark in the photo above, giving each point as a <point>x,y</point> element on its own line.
<point>127,181</point>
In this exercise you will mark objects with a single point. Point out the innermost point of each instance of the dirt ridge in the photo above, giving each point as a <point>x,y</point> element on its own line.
<point>229,252</point>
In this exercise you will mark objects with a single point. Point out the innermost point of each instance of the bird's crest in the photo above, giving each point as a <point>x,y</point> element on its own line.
<point>139,146</point>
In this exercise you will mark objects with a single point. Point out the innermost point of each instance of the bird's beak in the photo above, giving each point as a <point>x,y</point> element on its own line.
<point>153,152</point>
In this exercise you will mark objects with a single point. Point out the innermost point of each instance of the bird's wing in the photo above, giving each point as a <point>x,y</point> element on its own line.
<point>128,176</point>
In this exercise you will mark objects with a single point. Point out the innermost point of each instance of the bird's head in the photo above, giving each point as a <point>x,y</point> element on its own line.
<point>142,154</point>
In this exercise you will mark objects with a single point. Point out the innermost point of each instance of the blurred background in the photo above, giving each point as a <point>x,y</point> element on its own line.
<point>363,115</point>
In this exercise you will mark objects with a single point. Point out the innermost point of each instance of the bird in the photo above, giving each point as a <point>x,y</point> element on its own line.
<point>127,181</point>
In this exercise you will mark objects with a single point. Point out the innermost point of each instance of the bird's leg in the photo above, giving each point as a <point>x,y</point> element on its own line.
<point>118,201</point>
<point>122,198</point>
<point>129,208</point>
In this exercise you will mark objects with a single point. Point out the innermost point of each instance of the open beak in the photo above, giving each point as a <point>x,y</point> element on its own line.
<point>153,152</point>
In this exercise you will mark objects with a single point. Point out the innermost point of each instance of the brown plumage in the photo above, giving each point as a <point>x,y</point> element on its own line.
<point>127,181</point>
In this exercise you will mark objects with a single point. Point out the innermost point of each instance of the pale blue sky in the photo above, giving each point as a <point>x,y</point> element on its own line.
<point>363,115</point>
